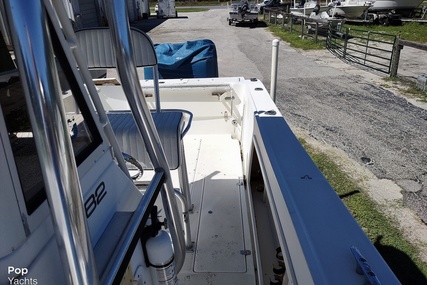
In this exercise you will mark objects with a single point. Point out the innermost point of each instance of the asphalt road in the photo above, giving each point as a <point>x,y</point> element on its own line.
<point>338,106</point>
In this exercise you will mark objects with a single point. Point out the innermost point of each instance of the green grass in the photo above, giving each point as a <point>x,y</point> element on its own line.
<point>401,256</point>
<point>415,32</point>
<point>408,88</point>
<point>295,40</point>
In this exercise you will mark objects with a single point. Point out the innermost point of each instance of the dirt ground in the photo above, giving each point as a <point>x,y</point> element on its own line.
<point>385,192</point>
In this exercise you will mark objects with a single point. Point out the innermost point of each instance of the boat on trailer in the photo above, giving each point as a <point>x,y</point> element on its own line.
<point>189,181</point>
<point>307,8</point>
<point>397,5</point>
<point>350,9</point>
<point>243,11</point>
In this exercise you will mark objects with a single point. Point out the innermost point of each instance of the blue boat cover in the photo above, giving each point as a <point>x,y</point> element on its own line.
<point>192,59</point>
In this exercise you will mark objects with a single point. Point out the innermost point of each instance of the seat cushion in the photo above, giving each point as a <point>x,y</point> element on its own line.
<point>169,125</point>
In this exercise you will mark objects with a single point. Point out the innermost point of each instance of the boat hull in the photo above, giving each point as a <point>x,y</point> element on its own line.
<point>384,5</point>
<point>351,12</point>
<point>307,11</point>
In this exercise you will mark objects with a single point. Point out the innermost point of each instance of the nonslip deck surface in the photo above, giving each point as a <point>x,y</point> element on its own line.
<point>219,225</point>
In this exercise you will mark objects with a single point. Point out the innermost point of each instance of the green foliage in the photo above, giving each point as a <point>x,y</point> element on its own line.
<point>401,256</point>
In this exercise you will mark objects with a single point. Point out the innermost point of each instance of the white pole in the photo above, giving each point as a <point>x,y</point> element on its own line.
<point>274,60</point>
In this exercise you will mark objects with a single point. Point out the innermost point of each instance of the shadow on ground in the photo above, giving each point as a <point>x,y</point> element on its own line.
<point>251,25</point>
<point>401,264</point>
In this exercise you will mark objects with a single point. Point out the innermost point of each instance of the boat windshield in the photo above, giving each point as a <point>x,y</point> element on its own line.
<point>18,128</point>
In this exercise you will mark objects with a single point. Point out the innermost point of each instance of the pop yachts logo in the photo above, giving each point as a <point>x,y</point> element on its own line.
<point>17,275</point>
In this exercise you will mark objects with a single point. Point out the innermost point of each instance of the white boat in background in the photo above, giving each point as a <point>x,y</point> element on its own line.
<point>189,181</point>
<point>308,7</point>
<point>350,9</point>
<point>399,5</point>
<point>243,11</point>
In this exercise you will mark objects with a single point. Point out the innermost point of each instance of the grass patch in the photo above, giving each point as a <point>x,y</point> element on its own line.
<point>407,88</point>
<point>416,32</point>
<point>295,40</point>
<point>400,255</point>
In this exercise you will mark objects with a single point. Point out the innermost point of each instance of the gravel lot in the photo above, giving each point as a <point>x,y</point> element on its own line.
<point>376,134</point>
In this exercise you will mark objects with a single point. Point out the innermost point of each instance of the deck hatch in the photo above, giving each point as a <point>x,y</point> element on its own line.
<point>219,247</point>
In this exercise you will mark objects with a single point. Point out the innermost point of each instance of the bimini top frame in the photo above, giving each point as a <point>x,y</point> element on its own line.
<point>34,26</point>
<point>27,22</point>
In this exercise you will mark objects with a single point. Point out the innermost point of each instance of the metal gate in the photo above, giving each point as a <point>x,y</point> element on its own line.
<point>371,49</point>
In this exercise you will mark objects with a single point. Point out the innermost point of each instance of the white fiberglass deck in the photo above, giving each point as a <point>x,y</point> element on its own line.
<point>219,223</point>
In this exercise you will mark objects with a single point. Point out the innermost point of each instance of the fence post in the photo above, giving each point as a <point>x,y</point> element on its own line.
<point>397,47</point>
<point>291,20</point>
<point>315,35</point>
<point>367,46</point>
<point>345,42</point>
<point>302,28</point>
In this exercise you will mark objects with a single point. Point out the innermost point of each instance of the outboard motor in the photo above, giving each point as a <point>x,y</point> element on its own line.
<point>316,9</point>
<point>244,9</point>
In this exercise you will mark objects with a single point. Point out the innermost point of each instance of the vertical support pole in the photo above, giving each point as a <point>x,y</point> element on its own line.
<point>367,47</point>
<point>302,27</point>
<point>120,34</point>
<point>274,61</point>
<point>27,21</point>
<point>395,58</point>
<point>156,87</point>
<point>291,19</point>
<point>316,32</point>
<point>345,42</point>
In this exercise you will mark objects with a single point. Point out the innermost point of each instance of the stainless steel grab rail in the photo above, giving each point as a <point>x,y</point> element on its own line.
<point>135,224</point>
<point>71,38</point>
<point>120,30</point>
<point>36,62</point>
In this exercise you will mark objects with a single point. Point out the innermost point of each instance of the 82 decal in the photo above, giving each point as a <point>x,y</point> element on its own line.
<point>93,201</point>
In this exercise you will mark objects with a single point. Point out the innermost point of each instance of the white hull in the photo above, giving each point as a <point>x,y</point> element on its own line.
<point>382,5</point>
<point>350,11</point>
<point>307,11</point>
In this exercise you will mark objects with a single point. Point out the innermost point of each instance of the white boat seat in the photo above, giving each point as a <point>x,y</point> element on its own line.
<point>170,127</point>
<point>97,48</point>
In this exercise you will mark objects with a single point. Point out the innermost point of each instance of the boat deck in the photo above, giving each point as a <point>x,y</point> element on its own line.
<point>219,223</point>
